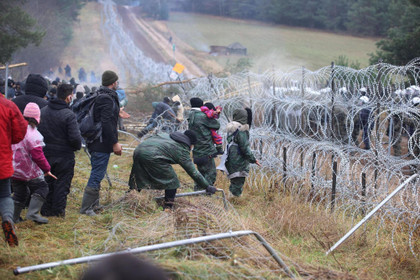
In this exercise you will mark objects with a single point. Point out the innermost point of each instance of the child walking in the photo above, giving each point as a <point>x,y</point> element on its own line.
<point>30,166</point>
<point>214,113</point>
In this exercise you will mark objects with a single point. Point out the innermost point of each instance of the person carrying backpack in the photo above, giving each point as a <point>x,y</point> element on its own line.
<point>105,112</point>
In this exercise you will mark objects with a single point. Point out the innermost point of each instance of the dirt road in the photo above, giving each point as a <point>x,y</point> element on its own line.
<point>154,44</point>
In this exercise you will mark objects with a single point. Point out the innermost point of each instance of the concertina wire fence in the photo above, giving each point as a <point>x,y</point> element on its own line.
<point>341,138</point>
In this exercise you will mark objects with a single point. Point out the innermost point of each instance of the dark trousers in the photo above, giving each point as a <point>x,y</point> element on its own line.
<point>208,170</point>
<point>23,189</point>
<point>63,169</point>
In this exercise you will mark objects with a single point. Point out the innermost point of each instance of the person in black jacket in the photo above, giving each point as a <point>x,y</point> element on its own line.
<point>62,138</point>
<point>36,88</point>
<point>106,111</point>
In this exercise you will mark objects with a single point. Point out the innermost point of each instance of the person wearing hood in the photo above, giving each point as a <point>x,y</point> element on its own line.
<point>152,160</point>
<point>239,154</point>
<point>204,151</point>
<point>36,88</point>
<point>62,138</point>
<point>106,111</point>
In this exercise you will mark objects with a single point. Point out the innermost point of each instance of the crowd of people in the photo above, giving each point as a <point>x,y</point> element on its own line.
<point>43,127</point>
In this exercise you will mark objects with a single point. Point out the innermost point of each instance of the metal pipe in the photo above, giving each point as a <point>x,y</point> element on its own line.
<point>348,234</point>
<point>155,247</point>
<point>197,193</point>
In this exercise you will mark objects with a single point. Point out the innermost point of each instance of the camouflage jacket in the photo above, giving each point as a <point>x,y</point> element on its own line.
<point>201,125</point>
<point>239,154</point>
<point>152,162</point>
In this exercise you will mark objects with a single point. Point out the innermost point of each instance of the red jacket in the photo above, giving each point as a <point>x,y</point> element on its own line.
<point>12,130</point>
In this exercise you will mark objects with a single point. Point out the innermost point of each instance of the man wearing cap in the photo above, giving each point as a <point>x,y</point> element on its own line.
<point>36,88</point>
<point>106,110</point>
<point>152,160</point>
<point>204,151</point>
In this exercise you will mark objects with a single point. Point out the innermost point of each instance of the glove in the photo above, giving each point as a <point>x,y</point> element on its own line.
<point>211,190</point>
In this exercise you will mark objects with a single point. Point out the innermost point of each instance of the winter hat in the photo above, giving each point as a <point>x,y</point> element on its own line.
<point>196,102</point>
<point>240,116</point>
<point>167,100</point>
<point>191,134</point>
<point>415,101</point>
<point>80,88</point>
<point>364,99</point>
<point>32,111</point>
<point>36,85</point>
<point>210,106</point>
<point>109,77</point>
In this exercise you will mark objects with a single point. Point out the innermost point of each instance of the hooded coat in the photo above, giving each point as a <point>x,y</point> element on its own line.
<point>152,162</point>
<point>239,153</point>
<point>201,125</point>
<point>35,89</point>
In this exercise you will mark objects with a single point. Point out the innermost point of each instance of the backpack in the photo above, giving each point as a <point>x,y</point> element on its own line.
<point>89,129</point>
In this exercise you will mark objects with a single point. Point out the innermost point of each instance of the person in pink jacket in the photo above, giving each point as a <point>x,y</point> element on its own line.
<point>30,166</point>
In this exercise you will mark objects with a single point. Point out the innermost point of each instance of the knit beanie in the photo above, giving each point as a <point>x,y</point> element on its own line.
<point>191,134</point>
<point>36,85</point>
<point>196,102</point>
<point>32,111</point>
<point>108,78</point>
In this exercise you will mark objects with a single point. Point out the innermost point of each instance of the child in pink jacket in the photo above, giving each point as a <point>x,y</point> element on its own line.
<point>30,165</point>
<point>214,113</point>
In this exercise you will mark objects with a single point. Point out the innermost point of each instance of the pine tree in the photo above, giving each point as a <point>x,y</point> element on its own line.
<point>16,29</point>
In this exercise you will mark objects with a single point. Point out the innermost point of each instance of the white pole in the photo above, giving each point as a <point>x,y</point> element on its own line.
<point>371,213</point>
<point>6,79</point>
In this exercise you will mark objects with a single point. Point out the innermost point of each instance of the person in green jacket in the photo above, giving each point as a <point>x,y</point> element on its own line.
<point>239,154</point>
<point>152,162</point>
<point>204,150</point>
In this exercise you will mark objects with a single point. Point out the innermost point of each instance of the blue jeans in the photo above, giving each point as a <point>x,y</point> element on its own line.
<point>99,162</point>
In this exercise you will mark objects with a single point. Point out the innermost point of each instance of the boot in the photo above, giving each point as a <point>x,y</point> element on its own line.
<point>9,233</point>
<point>16,214</point>
<point>90,198</point>
<point>33,211</point>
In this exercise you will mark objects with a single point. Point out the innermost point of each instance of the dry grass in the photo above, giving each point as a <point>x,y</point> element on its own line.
<point>300,233</point>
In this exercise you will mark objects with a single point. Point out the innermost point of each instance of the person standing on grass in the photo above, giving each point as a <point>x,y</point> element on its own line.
<point>30,166</point>
<point>204,151</point>
<point>239,154</point>
<point>62,138</point>
<point>12,130</point>
<point>106,111</point>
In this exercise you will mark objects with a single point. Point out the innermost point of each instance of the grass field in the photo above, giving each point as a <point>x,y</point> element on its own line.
<point>270,46</point>
<point>299,232</point>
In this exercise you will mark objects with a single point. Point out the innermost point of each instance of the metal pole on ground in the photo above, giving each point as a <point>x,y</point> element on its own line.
<point>161,246</point>
<point>368,216</point>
